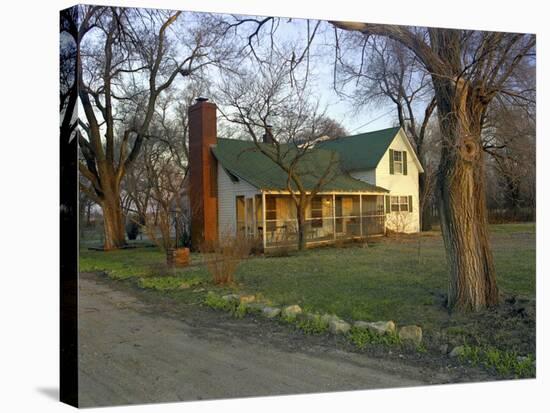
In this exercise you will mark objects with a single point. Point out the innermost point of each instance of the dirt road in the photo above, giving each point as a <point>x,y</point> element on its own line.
<point>134,350</point>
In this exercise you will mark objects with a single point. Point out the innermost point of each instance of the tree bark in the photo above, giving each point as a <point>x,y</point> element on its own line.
<point>113,220</point>
<point>461,193</point>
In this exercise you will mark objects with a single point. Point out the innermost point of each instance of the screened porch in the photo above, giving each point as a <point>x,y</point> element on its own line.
<point>329,217</point>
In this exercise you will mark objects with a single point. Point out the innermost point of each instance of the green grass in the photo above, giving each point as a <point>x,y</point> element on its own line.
<point>403,280</point>
<point>314,325</point>
<point>168,283</point>
<point>136,263</point>
<point>388,280</point>
<point>391,279</point>
<point>505,363</point>
<point>363,338</point>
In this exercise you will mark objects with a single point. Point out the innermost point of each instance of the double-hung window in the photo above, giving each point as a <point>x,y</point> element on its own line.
<point>399,203</point>
<point>398,162</point>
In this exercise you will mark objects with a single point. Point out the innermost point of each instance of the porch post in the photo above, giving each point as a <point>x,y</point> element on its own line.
<point>334,215</point>
<point>264,227</point>
<point>254,222</point>
<point>361,215</point>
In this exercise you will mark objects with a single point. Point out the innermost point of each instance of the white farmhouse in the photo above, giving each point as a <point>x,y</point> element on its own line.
<point>233,187</point>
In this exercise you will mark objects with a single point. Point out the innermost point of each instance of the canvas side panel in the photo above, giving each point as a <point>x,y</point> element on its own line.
<point>68,209</point>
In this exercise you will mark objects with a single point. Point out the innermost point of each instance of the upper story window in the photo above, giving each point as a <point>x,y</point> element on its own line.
<point>398,162</point>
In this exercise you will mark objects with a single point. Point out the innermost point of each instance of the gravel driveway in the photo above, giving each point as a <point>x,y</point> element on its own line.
<point>135,350</point>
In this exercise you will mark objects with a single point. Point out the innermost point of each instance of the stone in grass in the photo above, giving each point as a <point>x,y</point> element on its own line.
<point>231,298</point>
<point>327,318</point>
<point>254,307</point>
<point>411,333</point>
<point>271,312</point>
<point>246,299</point>
<point>291,311</point>
<point>378,327</point>
<point>338,327</point>
<point>457,351</point>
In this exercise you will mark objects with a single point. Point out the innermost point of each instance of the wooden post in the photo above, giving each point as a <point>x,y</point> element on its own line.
<point>361,215</point>
<point>334,215</point>
<point>254,223</point>
<point>264,226</point>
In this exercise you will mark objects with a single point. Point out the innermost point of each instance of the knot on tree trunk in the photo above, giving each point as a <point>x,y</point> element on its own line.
<point>469,149</point>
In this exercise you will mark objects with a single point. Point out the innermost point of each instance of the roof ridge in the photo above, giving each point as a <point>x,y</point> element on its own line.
<point>364,133</point>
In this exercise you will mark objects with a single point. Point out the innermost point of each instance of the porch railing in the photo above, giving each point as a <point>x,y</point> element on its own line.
<point>283,232</point>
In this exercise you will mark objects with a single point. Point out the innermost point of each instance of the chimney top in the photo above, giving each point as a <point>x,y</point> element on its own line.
<point>268,135</point>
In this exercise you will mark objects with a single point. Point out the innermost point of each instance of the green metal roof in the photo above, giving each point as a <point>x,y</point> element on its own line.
<point>363,151</point>
<point>246,161</point>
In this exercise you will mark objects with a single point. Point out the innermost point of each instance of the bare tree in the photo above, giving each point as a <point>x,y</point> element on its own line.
<point>386,71</point>
<point>468,69</point>
<point>509,138</point>
<point>130,58</point>
<point>270,103</point>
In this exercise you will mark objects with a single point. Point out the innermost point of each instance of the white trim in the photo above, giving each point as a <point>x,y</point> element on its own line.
<point>277,192</point>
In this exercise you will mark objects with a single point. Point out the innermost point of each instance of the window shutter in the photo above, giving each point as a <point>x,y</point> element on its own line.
<point>404,162</point>
<point>388,204</point>
<point>410,203</point>
<point>391,161</point>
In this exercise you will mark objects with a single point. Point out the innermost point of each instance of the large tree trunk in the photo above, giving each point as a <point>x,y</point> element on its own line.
<point>461,193</point>
<point>113,221</point>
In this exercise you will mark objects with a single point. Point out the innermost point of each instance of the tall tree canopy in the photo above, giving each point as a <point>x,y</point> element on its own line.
<point>126,62</point>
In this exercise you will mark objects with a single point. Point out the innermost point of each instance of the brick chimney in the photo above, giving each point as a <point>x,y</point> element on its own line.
<point>203,173</point>
<point>268,135</point>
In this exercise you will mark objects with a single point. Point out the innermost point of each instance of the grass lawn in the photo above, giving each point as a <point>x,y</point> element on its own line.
<point>402,279</point>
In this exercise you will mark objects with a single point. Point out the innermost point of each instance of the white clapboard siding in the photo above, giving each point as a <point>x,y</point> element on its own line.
<point>228,190</point>
<point>397,184</point>
<point>401,185</point>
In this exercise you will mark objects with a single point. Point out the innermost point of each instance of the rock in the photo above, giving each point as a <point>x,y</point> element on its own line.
<point>522,359</point>
<point>308,317</point>
<point>327,318</point>
<point>411,333</point>
<point>378,327</point>
<point>457,351</point>
<point>231,298</point>
<point>254,307</point>
<point>338,327</point>
<point>271,312</point>
<point>291,311</point>
<point>444,348</point>
<point>246,299</point>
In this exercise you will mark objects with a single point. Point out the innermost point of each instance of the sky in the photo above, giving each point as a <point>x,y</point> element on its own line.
<point>355,120</point>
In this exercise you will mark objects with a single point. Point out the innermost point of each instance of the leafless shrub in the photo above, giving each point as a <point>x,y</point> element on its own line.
<point>223,256</point>
<point>399,222</point>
